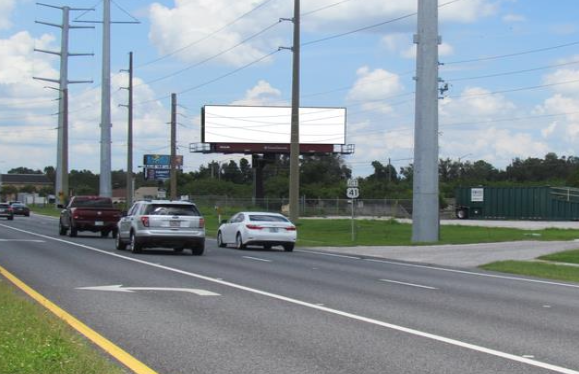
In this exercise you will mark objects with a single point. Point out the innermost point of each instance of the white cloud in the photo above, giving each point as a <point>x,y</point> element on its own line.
<point>565,81</point>
<point>373,87</point>
<point>547,131</point>
<point>189,22</point>
<point>475,103</point>
<point>260,95</point>
<point>512,18</point>
<point>6,8</point>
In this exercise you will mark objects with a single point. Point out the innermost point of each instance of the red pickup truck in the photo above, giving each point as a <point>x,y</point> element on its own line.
<point>89,213</point>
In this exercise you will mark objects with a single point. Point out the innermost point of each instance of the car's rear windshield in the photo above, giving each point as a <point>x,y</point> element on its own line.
<point>172,210</point>
<point>92,203</point>
<point>264,218</point>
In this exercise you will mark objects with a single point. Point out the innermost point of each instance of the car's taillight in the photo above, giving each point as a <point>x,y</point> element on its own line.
<point>145,221</point>
<point>291,228</point>
<point>254,227</point>
<point>201,222</point>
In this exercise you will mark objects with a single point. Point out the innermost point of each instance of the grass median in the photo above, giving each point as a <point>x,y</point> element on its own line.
<point>559,266</point>
<point>33,341</point>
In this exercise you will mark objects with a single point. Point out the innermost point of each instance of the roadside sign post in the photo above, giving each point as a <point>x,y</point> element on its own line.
<point>353,192</point>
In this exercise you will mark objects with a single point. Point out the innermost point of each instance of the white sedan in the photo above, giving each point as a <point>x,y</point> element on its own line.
<point>257,228</point>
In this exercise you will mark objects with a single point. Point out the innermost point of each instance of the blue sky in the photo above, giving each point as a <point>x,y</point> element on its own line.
<point>512,69</point>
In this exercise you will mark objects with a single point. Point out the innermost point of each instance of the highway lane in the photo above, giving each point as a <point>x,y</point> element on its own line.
<point>298,312</point>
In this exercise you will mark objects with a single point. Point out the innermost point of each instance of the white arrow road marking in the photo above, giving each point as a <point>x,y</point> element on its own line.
<point>120,288</point>
<point>23,240</point>
<point>438,338</point>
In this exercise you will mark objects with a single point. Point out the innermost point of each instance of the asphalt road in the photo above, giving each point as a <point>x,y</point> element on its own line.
<point>257,311</point>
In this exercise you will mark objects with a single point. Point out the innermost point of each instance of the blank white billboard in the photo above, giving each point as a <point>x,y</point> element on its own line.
<point>271,125</point>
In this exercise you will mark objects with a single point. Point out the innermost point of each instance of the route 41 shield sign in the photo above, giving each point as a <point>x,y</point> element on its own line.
<point>352,192</point>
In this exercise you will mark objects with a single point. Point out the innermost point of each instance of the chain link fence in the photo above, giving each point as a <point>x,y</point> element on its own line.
<point>396,208</point>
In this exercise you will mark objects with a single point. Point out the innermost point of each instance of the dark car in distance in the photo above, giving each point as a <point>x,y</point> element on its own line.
<point>6,211</point>
<point>20,209</point>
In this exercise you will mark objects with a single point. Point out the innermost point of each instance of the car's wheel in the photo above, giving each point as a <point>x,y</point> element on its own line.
<point>136,247</point>
<point>119,243</point>
<point>27,214</point>
<point>288,247</point>
<point>267,246</point>
<point>198,250</point>
<point>239,242</point>
<point>61,229</point>
<point>73,231</point>
<point>462,213</point>
<point>10,218</point>
<point>115,233</point>
<point>104,234</point>
<point>178,249</point>
<point>220,240</point>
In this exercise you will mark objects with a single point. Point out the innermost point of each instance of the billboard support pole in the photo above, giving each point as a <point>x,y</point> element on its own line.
<point>294,187</point>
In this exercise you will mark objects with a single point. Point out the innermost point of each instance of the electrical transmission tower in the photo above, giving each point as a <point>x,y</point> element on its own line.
<point>61,185</point>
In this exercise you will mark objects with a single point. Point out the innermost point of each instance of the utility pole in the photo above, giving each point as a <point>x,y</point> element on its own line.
<point>294,188</point>
<point>173,146</point>
<point>129,182</point>
<point>105,178</point>
<point>425,207</point>
<point>61,183</point>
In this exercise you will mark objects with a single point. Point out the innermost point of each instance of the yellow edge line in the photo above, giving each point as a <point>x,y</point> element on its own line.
<point>118,353</point>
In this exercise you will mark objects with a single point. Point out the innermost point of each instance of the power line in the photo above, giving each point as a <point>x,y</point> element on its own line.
<point>211,57</point>
<point>215,79</point>
<point>324,8</point>
<point>207,36</point>
<point>371,26</point>
<point>511,54</point>
<point>513,72</point>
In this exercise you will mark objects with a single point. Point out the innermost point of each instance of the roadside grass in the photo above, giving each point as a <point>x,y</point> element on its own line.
<point>46,210</point>
<point>338,232</point>
<point>536,269</point>
<point>33,341</point>
<point>571,257</point>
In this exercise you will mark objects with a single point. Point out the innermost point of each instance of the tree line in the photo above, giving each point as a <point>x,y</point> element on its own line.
<point>325,177</point>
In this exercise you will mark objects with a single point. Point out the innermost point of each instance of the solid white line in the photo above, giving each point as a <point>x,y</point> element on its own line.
<point>408,284</point>
<point>450,270</point>
<point>457,343</point>
<point>331,254</point>
<point>473,273</point>
<point>256,258</point>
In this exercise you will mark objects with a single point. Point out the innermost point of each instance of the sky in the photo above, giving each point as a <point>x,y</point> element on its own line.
<point>511,66</point>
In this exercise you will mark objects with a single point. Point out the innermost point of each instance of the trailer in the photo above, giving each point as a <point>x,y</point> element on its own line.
<point>544,203</point>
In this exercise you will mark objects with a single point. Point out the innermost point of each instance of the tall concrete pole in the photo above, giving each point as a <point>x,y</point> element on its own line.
<point>294,188</point>
<point>173,171</point>
<point>425,211</point>
<point>105,182</point>
<point>61,182</point>
<point>61,172</point>
<point>129,183</point>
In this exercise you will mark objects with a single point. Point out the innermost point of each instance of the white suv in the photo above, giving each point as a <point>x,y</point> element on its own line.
<point>162,223</point>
